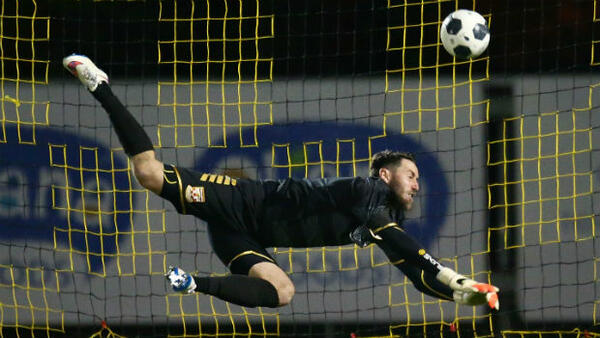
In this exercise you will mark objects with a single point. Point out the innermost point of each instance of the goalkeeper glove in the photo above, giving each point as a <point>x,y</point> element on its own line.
<point>477,298</point>
<point>468,291</point>
<point>180,280</point>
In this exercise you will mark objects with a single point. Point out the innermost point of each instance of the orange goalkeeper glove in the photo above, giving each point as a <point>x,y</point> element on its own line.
<point>478,298</point>
<point>468,291</point>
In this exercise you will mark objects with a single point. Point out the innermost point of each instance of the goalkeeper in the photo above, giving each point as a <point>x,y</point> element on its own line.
<point>246,216</point>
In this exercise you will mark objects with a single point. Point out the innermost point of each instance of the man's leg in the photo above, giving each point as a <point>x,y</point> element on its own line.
<point>135,141</point>
<point>277,277</point>
<point>255,280</point>
<point>265,285</point>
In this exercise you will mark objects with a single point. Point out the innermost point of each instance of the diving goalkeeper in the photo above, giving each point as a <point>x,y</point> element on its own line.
<point>246,216</point>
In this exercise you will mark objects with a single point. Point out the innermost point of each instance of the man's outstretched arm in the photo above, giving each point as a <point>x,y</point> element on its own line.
<point>423,281</point>
<point>402,249</point>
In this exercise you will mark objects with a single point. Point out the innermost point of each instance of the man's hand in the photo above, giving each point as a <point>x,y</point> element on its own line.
<point>468,291</point>
<point>478,298</point>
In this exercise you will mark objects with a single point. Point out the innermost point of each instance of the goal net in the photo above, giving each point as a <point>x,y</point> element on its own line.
<point>506,144</point>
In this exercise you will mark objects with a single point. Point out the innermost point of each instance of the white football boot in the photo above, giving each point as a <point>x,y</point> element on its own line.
<point>180,280</point>
<point>87,72</point>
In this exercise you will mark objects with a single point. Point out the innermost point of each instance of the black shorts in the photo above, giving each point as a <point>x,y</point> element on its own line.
<point>218,200</point>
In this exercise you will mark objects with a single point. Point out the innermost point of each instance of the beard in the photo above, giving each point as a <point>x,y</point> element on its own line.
<point>407,205</point>
<point>400,196</point>
<point>397,201</point>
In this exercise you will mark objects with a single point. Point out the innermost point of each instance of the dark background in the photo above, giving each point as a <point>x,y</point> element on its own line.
<point>312,38</point>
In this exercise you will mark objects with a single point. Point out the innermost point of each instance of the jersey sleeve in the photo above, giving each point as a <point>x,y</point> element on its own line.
<point>426,282</point>
<point>407,254</point>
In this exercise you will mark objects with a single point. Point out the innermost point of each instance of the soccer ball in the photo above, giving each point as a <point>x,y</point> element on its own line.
<point>464,34</point>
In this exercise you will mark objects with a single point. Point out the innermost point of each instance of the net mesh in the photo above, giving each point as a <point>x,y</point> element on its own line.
<point>506,144</point>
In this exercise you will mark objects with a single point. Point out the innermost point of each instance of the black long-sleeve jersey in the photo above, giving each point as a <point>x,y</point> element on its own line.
<point>320,212</point>
<point>339,211</point>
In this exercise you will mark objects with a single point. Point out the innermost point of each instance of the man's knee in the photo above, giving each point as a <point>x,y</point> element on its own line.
<point>276,277</point>
<point>145,176</point>
<point>148,171</point>
<point>286,292</point>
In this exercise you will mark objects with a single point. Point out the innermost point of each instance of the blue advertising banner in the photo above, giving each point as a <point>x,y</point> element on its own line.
<point>77,203</point>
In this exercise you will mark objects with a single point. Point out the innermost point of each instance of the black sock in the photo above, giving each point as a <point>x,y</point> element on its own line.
<point>239,289</point>
<point>132,136</point>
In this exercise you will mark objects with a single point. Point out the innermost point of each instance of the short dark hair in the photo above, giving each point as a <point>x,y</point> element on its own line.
<point>387,158</point>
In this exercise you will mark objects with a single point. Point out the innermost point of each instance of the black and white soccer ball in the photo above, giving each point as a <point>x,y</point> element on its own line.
<point>465,34</point>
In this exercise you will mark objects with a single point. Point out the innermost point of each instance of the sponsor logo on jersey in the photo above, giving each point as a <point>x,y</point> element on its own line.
<point>194,194</point>
<point>430,259</point>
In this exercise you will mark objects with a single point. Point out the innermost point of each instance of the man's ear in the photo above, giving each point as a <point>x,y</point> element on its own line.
<point>384,174</point>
